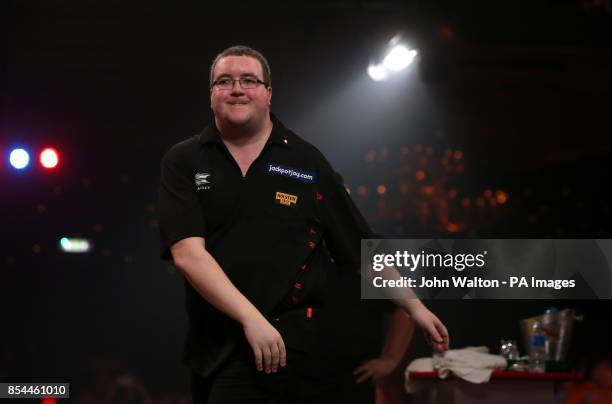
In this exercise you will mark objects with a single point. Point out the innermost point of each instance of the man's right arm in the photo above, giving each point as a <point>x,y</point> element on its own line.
<point>206,276</point>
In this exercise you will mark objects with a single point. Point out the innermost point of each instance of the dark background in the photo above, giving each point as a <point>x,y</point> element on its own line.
<point>507,113</point>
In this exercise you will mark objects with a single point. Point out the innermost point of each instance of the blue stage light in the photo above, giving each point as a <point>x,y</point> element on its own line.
<point>19,159</point>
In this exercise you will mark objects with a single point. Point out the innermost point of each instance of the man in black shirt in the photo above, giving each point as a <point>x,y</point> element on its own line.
<point>256,219</point>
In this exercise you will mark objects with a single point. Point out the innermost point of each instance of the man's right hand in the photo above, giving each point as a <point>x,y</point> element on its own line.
<point>206,276</point>
<point>266,342</point>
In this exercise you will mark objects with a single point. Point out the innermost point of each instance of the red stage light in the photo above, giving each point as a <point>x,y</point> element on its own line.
<point>49,158</point>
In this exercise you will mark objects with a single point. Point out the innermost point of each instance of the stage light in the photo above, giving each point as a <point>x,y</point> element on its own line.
<point>399,58</point>
<point>19,159</point>
<point>377,72</point>
<point>74,245</point>
<point>49,158</point>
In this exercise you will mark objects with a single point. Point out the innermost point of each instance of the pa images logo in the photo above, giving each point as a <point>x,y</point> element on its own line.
<point>202,181</point>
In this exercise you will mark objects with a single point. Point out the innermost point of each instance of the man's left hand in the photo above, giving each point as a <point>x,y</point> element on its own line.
<point>435,332</point>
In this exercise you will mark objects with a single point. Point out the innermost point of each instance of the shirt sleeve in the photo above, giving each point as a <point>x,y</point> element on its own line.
<point>180,211</point>
<point>344,225</point>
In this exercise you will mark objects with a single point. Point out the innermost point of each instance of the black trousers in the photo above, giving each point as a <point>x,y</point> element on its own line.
<point>302,381</point>
<point>239,382</point>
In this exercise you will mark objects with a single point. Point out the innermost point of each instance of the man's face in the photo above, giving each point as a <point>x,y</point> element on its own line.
<point>240,106</point>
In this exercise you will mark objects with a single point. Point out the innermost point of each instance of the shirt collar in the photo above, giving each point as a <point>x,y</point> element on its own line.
<point>279,135</point>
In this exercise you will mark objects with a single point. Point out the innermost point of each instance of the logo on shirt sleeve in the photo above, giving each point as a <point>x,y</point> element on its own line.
<point>295,173</point>
<point>202,181</point>
<point>286,199</point>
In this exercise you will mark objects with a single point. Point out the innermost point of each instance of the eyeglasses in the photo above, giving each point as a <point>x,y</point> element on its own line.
<point>246,83</point>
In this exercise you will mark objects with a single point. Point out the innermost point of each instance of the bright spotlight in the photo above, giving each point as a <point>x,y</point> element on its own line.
<point>19,159</point>
<point>378,72</point>
<point>49,158</point>
<point>399,57</point>
<point>74,245</point>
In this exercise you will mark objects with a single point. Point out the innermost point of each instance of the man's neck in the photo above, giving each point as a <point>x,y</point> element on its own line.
<point>239,137</point>
<point>245,145</point>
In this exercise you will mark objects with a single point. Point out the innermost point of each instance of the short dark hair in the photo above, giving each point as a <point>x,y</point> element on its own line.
<point>241,50</point>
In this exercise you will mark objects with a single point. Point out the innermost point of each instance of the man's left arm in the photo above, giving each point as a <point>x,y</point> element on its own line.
<point>344,229</point>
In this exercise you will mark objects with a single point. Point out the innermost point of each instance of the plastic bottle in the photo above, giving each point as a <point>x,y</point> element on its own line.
<point>537,350</point>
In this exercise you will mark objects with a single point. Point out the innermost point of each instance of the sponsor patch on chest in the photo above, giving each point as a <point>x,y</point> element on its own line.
<point>289,172</point>
<point>202,181</point>
<point>286,199</point>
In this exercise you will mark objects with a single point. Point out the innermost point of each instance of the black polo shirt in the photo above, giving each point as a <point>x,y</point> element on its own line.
<point>279,233</point>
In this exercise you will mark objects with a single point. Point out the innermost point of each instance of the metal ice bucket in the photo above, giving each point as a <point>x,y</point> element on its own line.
<point>558,327</point>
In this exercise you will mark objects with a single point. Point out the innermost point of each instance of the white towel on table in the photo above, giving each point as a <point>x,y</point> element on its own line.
<point>473,364</point>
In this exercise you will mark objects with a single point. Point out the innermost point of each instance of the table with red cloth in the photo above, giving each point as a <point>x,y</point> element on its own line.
<point>504,387</point>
